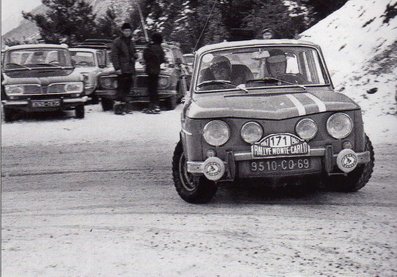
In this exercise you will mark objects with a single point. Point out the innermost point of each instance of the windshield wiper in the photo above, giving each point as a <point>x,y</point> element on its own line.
<point>274,80</point>
<point>17,64</point>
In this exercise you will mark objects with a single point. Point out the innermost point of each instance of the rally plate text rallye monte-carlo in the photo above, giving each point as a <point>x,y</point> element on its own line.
<point>272,117</point>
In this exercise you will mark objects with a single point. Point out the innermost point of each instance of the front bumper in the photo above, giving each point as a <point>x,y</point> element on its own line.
<point>324,160</point>
<point>137,95</point>
<point>27,104</point>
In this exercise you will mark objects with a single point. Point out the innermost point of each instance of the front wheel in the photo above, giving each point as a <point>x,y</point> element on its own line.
<point>9,114</point>
<point>80,111</point>
<point>171,102</point>
<point>193,190</point>
<point>356,179</point>
<point>107,104</point>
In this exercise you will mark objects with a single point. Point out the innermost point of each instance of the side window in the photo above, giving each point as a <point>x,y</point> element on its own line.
<point>101,58</point>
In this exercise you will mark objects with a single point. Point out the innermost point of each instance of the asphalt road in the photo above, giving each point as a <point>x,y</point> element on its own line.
<point>110,209</point>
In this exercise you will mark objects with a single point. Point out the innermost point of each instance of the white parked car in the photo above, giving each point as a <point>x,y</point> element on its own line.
<point>89,62</point>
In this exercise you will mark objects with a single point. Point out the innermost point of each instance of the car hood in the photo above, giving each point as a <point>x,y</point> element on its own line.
<point>274,106</point>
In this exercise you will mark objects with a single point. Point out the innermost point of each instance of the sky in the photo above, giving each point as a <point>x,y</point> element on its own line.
<point>11,12</point>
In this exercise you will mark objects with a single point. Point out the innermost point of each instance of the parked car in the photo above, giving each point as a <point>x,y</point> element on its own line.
<point>267,124</point>
<point>40,77</point>
<point>189,60</point>
<point>89,63</point>
<point>171,84</point>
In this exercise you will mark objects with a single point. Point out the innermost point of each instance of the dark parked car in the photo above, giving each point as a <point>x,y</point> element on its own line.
<point>40,77</point>
<point>273,118</point>
<point>171,84</point>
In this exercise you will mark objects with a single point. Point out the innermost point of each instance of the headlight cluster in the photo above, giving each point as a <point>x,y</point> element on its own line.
<point>339,125</point>
<point>108,82</point>
<point>73,87</point>
<point>163,82</point>
<point>14,89</point>
<point>216,133</point>
<point>251,132</point>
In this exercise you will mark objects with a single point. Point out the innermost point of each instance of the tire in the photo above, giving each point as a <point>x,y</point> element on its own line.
<point>358,178</point>
<point>9,115</point>
<point>199,191</point>
<point>171,103</point>
<point>80,111</point>
<point>107,104</point>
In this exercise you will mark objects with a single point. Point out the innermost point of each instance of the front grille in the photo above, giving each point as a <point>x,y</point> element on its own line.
<point>141,81</point>
<point>32,89</point>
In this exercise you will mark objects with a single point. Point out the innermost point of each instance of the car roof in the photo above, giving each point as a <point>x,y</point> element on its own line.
<point>84,49</point>
<point>256,42</point>
<point>38,45</point>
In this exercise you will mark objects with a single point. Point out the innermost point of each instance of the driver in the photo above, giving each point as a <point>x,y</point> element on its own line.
<point>276,65</point>
<point>221,68</point>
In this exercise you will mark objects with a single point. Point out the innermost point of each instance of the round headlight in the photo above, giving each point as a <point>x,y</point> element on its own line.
<point>306,128</point>
<point>251,132</point>
<point>14,89</point>
<point>163,82</point>
<point>216,133</point>
<point>339,125</point>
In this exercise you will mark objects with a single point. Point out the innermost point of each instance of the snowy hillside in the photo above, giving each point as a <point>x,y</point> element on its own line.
<point>359,42</point>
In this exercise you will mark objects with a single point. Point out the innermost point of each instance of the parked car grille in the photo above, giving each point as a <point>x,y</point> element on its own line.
<point>141,81</point>
<point>32,89</point>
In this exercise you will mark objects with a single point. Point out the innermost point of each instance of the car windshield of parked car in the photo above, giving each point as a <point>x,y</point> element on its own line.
<point>260,67</point>
<point>36,58</point>
<point>82,58</point>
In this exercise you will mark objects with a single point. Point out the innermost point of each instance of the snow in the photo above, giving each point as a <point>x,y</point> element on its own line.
<point>360,51</point>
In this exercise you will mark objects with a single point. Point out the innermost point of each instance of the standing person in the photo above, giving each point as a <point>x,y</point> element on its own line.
<point>154,56</point>
<point>123,59</point>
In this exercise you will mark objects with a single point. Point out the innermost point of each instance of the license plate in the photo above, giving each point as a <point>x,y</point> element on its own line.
<point>46,103</point>
<point>279,145</point>
<point>280,165</point>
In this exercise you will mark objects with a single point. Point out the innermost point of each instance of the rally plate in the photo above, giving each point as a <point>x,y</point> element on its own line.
<point>280,145</point>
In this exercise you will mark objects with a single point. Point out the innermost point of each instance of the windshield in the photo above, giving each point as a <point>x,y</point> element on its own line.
<point>36,58</point>
<point>140,63</point>
<point>260,67</point>
<point>82,59</point>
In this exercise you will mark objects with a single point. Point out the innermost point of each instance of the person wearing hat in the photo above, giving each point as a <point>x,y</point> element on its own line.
<point>267,33</point>
<point>276,65</point>
<point>154,56</point>
<point>123,59</point>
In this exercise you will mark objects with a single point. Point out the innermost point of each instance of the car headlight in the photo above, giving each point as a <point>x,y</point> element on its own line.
<point>339,125</point>
<point>74,87</point>
<point>306,128</point>
<point>163,82</point>
<point>108,83</point>
<point>14,89</point>
<point>251,132</point>
<point>216,133</point>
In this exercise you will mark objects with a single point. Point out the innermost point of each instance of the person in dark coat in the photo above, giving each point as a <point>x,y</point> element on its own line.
<point>154,56</point>
<point>123,59</point>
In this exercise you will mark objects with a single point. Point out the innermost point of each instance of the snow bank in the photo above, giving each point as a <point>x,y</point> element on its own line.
<point>360,49</point>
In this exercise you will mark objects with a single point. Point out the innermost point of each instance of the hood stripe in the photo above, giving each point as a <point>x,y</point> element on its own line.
<point>298,104</point>
<point>320,104</point>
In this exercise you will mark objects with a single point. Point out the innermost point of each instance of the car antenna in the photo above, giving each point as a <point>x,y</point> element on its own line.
<point>205,26</point>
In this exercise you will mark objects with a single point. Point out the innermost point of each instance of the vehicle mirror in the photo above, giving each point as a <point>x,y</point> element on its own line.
<point>171,65</point>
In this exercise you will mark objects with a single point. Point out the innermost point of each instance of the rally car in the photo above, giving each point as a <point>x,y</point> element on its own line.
<point>40,77</point>
<point>272,116</point>
<point>171,83</point>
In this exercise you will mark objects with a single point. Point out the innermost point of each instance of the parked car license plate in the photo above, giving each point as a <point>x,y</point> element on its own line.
<point>46,103</point>
<point>280,164</point>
